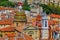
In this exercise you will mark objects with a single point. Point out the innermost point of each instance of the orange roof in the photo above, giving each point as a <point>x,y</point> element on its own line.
<point>27,37</point>
<point>6,21</point>
<point>38,17</point>
<point>55,16</point>
<point>39,24</point>
<point>7,29</point>
<point>51,22</point>
<point>6,8</point>
<point>11,34</point>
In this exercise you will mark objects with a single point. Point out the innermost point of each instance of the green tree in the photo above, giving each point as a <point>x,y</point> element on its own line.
<point>46,8</point>
<point>7,4</point>
<point>3,0</point>
<point>26,6</point>
<point>51,9</point>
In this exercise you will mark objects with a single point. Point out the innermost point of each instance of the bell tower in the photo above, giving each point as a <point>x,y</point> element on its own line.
<point>44,29</point>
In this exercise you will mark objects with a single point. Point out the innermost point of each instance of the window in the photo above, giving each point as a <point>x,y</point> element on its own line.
<point>31,35</point>
<point>45,23</point>
<point>16,24</point>
<point>7,16</point>
<point>30,32</point>
<point>55,35</point>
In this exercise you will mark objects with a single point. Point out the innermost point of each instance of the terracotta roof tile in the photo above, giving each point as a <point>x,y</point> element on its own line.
<point>51,22</point>
<point>7,29</point>
<point>6,8</point>
<point>27,37</point>
<point>55,16</point>
<point>38,17</point>
<point>39,24</point>
<point>11,34</point>
<point>6,21</point>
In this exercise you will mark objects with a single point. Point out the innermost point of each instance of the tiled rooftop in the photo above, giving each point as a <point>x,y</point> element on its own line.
<point>55,16</point>
<point>7,22</point>
<point>7,29</point>
<point>6,8</point>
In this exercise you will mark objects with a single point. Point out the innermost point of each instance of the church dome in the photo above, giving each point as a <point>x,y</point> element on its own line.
<point>20,16</point>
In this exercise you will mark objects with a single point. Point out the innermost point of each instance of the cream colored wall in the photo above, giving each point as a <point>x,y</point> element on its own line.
<point>57,19</point>
<point>49,17</point>
<point>19,23</point>
<point>33,35</point>
<point>2,26</point>
<point>20,26</point>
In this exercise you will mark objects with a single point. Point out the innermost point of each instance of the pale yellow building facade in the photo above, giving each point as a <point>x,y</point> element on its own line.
<point>33,31</point>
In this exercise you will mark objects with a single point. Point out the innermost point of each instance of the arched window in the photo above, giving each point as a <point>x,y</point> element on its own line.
<point>30,32</point>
